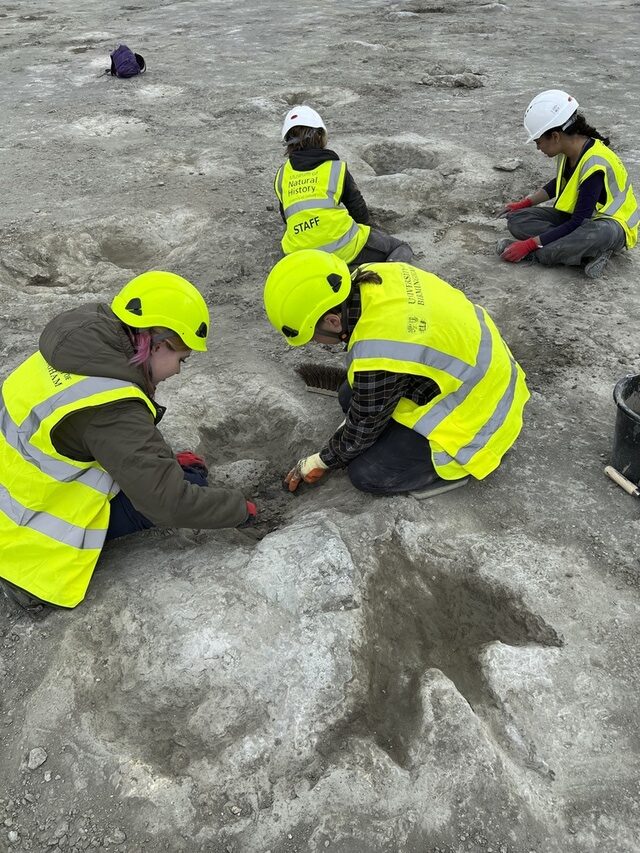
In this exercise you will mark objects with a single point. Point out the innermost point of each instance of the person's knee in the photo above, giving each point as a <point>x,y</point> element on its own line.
<point>547,258</point>
<point>401,254</point>
<point>516,223</point>
<point>360,476</point>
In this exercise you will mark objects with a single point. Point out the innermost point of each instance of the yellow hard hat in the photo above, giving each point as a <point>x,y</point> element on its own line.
<point>301,288</point>
<point>164,299</point>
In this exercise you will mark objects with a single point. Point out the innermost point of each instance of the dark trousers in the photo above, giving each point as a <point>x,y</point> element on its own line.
<point>594,237</point>
<point>398,461</point>
<point>382,247</point>
<point>126,519</point>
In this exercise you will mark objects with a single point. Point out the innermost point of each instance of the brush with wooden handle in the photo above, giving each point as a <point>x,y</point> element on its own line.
<point>622,481</point>
<point>322,378</point>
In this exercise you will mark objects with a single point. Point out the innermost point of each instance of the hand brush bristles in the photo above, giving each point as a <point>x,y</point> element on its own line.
<point>321,378</point>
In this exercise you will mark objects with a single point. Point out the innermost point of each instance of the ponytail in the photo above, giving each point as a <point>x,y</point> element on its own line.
<point>579,127</point>
<point>362,275</point>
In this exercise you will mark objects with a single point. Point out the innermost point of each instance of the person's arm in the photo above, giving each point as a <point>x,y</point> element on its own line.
<point>375,394</point>
<point>530,200</point>
<point>549,189</point>
<point>353,200</point>
<point>588,196</point>
<point>124,440</point>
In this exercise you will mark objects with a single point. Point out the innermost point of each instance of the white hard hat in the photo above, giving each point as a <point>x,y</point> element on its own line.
<point>301,116</point>
<point>553,108</point>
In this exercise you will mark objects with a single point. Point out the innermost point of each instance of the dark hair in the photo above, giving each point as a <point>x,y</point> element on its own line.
<point>301,137</point>
<point>578,127</point>
<point>363,275</point>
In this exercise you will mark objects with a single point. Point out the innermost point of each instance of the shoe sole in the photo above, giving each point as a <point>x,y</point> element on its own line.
<point>597,266</point>
<point>438,489</point>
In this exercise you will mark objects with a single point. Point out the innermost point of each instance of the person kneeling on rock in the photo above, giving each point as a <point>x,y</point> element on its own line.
<point>319,201</point>
<point>595,212</point>
<point>433,394</point>
<point>81,458</point>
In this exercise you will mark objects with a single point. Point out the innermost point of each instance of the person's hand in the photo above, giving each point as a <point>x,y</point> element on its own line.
<point>519,250</point>
<point>252,515</point>
<point>188,459</point>
<point>511,206</point>
<point>310,469</point>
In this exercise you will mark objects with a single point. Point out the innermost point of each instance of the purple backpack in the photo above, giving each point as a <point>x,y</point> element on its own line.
<point>126,63</point>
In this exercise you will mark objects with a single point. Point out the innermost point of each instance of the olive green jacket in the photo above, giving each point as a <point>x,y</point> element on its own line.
<point>122,436</point>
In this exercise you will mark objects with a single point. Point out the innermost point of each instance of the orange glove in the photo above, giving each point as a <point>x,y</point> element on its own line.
<point>310,470</point>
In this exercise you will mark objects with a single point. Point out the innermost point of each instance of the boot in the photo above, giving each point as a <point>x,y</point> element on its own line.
<point>597,265</point>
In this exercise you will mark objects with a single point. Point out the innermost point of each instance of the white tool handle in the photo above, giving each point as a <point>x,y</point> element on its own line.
<point>618,478</point>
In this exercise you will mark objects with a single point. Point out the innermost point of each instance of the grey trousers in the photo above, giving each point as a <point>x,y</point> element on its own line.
<point>382,247</point>
<point>592,238</point>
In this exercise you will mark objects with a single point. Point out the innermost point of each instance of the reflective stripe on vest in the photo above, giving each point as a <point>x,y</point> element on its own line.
<point>468,374</point>
<point>313,204</point>
<point>49,525</point>
<point>619,196</point>
<point>351,234</point>
<point>19,437</point>
<point>318,220</point>
<point>477,415</point>
<point>54,510</point>
<point>621,204</point>
<point>480,440</point>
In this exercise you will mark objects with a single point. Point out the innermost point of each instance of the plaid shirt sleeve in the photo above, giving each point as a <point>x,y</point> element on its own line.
<point>375,394</point>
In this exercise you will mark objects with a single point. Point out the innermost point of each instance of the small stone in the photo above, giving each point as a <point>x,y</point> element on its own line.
<point>13,836</point>
<point>119,836</point>
<point>37,756</point>
<point>47,775</point>
<point>509,165</point>
<point>8,821</point>
<point>236,810</point>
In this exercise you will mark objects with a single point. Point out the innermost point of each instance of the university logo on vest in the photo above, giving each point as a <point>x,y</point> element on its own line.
<point>56,377</point>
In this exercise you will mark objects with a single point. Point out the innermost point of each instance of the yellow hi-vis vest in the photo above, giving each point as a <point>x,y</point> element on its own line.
<point>418,324</point>
<point>54,511</point>
<point>315,217</point>
<point>620,204</point>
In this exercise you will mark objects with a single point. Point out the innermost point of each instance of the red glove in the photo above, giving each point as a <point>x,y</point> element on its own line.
<point>519,250</point>
<point>252,516</point>
<point>188,459</point>
<point>516,205</point>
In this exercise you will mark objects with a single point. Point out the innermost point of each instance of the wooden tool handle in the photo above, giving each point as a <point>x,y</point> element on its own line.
<point>617,477</point>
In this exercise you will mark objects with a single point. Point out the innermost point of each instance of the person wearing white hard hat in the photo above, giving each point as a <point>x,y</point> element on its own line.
<point>320,203</point>
<point>595,212</point>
